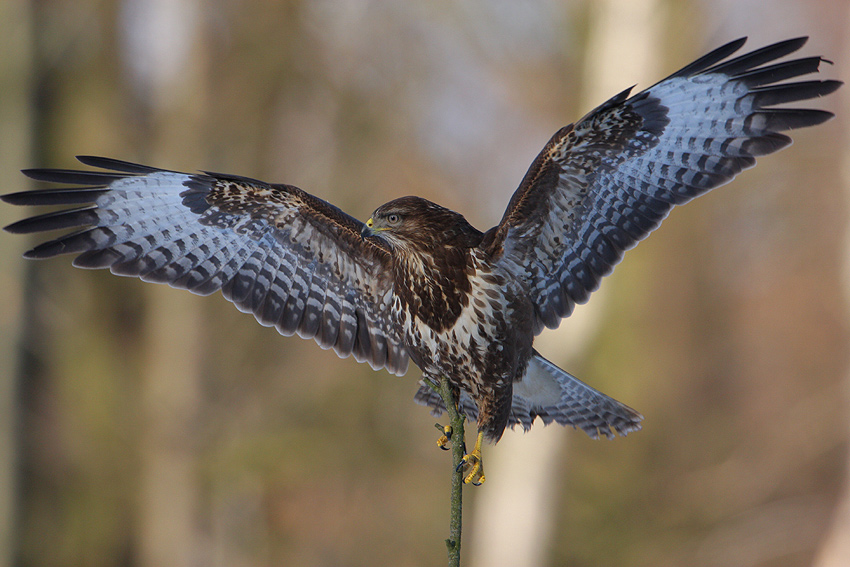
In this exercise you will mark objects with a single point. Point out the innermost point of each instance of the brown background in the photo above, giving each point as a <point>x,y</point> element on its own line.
<point>143,426</point>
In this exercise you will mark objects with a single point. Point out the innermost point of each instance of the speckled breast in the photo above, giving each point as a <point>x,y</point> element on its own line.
<point>482,339</point>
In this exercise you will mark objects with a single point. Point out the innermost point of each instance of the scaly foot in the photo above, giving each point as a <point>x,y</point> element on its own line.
<point>445,438</point>
<point>473,464</point>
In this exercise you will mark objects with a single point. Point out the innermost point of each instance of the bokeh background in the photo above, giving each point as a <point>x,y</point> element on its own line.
<point>143,426</point>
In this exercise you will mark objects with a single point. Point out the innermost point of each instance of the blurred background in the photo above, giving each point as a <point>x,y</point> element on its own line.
<point>143,426</point>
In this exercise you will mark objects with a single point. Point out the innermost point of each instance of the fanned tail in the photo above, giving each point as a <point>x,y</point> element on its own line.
<point>553,395</point>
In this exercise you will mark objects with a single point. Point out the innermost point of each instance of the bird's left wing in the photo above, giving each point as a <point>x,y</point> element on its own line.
<point>295,261</point>
<point>599,187</point>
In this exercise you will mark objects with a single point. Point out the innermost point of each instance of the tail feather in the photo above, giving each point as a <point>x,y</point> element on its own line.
<point>553,395</point>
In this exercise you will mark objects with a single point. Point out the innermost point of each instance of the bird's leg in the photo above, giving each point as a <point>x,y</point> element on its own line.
<point>472,461</point>
<point>446,437</point>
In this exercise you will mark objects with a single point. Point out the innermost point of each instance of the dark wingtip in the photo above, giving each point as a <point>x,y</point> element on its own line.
<point>19,227</point>
<point>12,229</point>
<point>69,218</point>
<point>70,176</point>
<point>711,58</point>
<point>754,59</point>
<point>790,45</point>
<point>13,198</point>
<point>36,254</point>
<point>116,165</point>
<point>33,173</point>
<point>829,87</point>
<point>73,196</point>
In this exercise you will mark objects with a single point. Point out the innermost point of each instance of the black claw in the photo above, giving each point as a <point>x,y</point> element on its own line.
<point>446,438</point>
<point>445,430</point>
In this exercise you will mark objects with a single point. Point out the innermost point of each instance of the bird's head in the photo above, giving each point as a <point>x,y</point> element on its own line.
<point>411,223</point>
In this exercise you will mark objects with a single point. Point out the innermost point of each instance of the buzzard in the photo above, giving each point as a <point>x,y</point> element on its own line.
<point>416,281</point>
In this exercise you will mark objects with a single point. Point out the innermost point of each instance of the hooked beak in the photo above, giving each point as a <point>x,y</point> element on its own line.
<point>367,231</point>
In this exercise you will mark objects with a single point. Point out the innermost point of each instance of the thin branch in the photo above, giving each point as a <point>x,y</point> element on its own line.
<point>456,420</point>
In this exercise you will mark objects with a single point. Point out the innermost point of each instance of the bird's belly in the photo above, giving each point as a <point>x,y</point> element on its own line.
<point>441,350</point>
<point>484,342</point>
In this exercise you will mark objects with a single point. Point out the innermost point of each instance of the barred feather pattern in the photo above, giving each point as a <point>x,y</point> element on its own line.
<point>601,186</point>
<point>294,261</point>
<point>553,395</point>
<point>417,281</point>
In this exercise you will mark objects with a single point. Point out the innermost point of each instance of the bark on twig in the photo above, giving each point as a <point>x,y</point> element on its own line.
<point>456,420</point>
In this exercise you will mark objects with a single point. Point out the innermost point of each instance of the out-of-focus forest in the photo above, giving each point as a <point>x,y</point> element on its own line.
<point>143,426</point>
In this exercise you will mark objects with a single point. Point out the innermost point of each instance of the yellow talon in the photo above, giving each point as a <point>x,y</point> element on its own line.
<point>444,439</point>
<point>472,461</point>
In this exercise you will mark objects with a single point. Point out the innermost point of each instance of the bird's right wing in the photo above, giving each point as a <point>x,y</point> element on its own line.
<point>293,260</point>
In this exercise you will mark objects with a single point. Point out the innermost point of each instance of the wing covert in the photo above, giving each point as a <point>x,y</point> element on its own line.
<point>293,260</point>
<point>601,186</point>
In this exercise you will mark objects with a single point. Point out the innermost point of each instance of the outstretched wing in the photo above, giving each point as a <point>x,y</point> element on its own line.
<point>293,260</point>
<point>599,187</point>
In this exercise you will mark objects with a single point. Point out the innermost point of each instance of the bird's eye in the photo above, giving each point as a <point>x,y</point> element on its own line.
<point>393,218</point>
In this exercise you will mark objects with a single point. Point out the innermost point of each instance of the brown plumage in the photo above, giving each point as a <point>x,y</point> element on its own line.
<point>417,281</point>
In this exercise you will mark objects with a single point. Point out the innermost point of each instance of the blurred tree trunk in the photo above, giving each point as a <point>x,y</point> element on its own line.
<point>166,66</point>
<point>15,148</point>
<point>622,48</point>
<point>170,399</point>
<point>835,550</point>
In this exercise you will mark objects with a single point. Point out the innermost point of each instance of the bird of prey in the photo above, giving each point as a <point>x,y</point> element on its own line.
<point>416,281</point>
